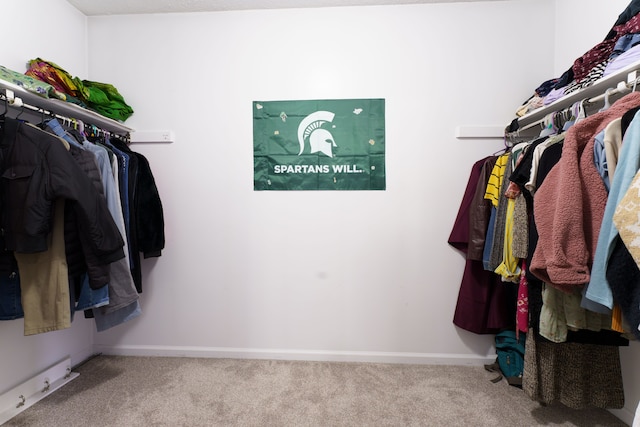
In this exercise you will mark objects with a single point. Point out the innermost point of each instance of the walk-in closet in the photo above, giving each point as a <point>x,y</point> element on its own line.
<point>347,301</point>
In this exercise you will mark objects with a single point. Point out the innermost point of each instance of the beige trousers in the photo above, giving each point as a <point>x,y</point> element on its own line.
<point>44,282</point>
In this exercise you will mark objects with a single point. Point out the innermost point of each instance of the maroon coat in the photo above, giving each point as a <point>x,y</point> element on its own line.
<point>482,305</point>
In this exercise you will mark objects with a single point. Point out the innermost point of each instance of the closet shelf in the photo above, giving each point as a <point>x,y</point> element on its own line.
<point>625,75</point>
<point>66,109</point>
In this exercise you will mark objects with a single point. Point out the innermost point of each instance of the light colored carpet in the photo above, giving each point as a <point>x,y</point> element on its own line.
<point>144,391</point>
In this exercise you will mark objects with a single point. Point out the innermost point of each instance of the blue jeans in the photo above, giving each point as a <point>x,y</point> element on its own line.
<point>10,303</point>
<point>117,317</point>
<point>91,298</point>
<point>486,254</point>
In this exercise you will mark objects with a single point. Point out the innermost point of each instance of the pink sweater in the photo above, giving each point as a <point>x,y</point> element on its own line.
<point>569,205</point>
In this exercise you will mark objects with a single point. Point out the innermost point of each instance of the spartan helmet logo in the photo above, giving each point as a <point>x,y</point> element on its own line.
<point>319,139</point>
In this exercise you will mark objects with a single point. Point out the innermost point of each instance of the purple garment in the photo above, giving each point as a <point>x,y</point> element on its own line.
<point>554,95</point>
<point>623,60</point>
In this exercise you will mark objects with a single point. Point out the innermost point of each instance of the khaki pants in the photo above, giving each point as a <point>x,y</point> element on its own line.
<point>44,282</point>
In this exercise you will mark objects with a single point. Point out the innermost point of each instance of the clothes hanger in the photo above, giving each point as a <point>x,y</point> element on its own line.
<point>559,120</point>
<point>572,114</point>
<point>581,112</point>
<point>6,107</point>
<point>43,119</point>
<point>4,113</point>
<point>607,104</point>
<point>80,124</point>
<point>501,151</point>
<point>547,125</point>
<point>20,113</point>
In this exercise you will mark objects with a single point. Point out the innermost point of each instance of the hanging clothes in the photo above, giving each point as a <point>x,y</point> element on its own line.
<point>482,306</point>
<point>598,290</point>
<point>46,273</point>
<point>493,194</point>
<point>564,254</point>
<point>514,243</point>
<point>120,288</point>
<point>572,355</point>
<point>141,199</point>
<point>44,282</point>
<point>27,151</point>
<point>522,303</point>
<point>622,272</point>
<point>28,198</point>
<point>623,276</point>
<point>580,197</point>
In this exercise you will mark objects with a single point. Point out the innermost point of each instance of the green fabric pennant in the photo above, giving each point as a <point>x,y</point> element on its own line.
<point>319,144</point>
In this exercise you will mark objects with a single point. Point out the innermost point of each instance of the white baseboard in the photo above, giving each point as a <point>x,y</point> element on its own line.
<point>310,355</point>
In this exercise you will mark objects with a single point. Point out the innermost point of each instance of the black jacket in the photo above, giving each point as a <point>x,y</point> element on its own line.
<point>146,219</point>
<point>36,170</point>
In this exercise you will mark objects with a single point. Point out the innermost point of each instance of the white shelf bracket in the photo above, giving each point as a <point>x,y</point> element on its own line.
<point>480,132</point>
<point>165,136</point>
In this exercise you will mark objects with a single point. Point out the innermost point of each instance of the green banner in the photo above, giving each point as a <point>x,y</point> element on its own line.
<point>319,145</point>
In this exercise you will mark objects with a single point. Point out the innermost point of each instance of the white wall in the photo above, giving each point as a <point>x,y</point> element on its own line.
<point>50,29</point>
<point>32,34</point>
<point>361,275</point>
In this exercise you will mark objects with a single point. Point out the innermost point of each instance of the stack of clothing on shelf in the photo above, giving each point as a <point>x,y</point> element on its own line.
<point>620,48</point>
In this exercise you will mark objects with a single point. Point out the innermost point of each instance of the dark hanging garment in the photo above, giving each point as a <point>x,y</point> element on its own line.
<point>145,229</point>
<point>148,209</point>
<point>550,157</point>
<point>480,213</point>
<point>37,170</point>
<point>10,292</point>
<point>482,305</point>
<point>98,271</point>
<point>459,237</point>
<point>623,276</point>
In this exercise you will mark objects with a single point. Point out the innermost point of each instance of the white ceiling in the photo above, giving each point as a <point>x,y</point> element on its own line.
<point>124,7</point>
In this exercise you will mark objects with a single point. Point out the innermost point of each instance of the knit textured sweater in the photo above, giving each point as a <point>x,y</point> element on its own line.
<point>569,205</point>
